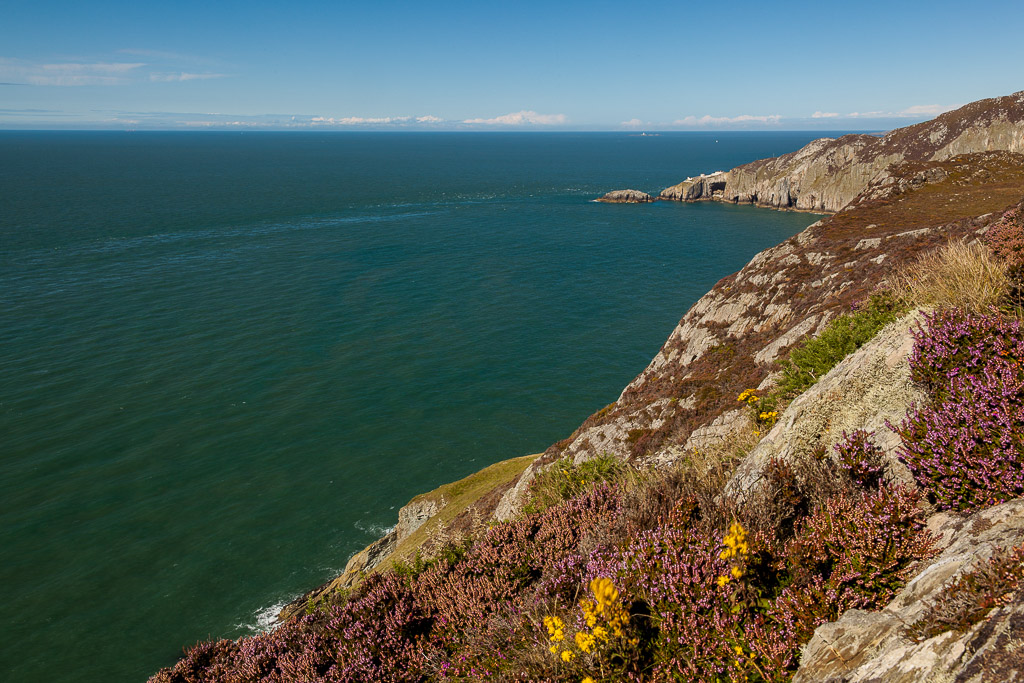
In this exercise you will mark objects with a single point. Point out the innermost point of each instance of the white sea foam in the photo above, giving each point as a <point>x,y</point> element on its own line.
<point>265,618</point>
<point>377,530</point>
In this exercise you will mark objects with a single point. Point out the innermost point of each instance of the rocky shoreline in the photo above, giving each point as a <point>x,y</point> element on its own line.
<point>827,174</point>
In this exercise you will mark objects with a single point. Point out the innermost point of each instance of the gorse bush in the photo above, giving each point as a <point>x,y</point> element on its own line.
<point>764,409</point>
<point>960,274</point>
<point>966,446</point>
<point>841,337</point>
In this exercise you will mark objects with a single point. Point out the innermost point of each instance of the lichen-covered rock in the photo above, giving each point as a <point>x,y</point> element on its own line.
<point>625,197</point>
<point>414,514</point>
<point>877,646</point>
<point>869,388</point>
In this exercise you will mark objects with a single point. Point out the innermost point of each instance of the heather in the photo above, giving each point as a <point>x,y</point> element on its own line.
<point>1006,240</point>
<point>647,577</point>
<point>965,446</point>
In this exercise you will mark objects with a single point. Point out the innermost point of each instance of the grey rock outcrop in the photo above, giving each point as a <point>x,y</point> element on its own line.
<point>626,197</point>
<point>414,515</point>
<point>869,388</point>
<point>827,173</point>
<point>876,646</point>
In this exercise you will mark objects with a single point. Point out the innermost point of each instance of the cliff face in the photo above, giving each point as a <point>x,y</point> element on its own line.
<point>828,173</point>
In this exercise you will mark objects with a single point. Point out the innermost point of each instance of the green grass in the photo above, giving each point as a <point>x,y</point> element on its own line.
<point>563,480</point>
<point>455,498</point>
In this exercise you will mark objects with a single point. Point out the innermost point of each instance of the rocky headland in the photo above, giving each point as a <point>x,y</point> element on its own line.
<point>745,510</point>
<point>827,174</point>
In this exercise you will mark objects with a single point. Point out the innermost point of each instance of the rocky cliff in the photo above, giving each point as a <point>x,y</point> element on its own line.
<point>828,173</point>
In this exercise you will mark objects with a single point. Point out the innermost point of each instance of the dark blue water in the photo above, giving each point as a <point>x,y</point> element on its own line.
<point>227,359</point>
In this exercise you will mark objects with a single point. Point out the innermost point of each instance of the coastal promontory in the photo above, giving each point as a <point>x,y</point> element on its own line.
<point>819,477</point>
<point>827,174</point>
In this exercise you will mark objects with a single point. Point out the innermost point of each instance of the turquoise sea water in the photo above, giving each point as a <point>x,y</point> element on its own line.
<point>227,359</point>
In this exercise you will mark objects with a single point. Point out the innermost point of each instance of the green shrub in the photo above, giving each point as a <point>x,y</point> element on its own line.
<point>451,553</point>
<point>841,337</point>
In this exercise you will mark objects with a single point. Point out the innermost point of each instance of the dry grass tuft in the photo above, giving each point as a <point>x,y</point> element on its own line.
<point>959,274</point>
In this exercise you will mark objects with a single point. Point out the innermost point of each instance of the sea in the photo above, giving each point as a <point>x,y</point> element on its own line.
<point>228,358</point>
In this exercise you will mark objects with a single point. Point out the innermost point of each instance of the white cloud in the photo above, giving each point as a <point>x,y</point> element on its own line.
<point>633,123</point>
<point>429,119</point>
<point>182,76</point>
<point>522,118</point>
<point>156,54</point>
<point>915,111</point>
<point>726,120</point>
<point>91,73</point>
<point>357,120</point>
<point>824,115</point>
<point>69,73</point>
<point>927,110</point>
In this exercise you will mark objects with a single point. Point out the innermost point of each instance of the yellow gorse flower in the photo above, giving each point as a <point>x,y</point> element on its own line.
<point>607,605</point>
<point>589,612</point>
<point>604,617</point>
<point>555,627</point>
<point>605,592</point>
<point>585,641</point>
<point>735,543</point>
<point>748,397</point>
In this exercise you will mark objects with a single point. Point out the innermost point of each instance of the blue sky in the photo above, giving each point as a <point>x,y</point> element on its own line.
<point>488,66</point>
